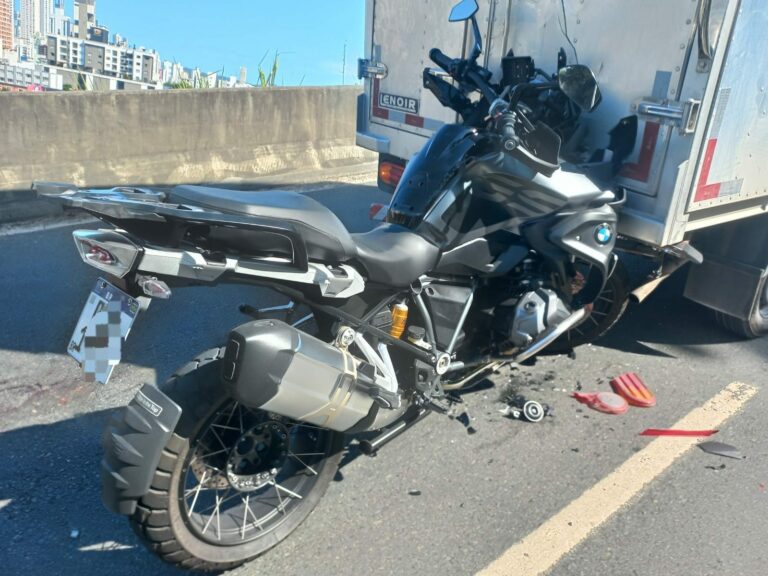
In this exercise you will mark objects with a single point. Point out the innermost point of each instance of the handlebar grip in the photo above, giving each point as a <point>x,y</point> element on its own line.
<point>446,63</point>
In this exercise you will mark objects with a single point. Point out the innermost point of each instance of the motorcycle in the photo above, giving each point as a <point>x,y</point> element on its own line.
<point>490,253</point>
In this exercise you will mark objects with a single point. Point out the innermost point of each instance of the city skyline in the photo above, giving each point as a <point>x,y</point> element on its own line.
<point>317,45</point>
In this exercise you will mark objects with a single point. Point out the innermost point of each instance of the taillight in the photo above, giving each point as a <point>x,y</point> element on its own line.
<point>106,250</point>
<point>98,254</point>
<point>390,173</point>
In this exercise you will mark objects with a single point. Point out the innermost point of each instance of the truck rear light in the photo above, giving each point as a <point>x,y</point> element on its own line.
<point>106,250</point>
<point>390,173</point>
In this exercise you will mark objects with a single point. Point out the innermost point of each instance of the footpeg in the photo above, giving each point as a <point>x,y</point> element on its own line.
<point>371,447</point>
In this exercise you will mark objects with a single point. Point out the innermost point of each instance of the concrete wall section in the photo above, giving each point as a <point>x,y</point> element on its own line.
<point>175,136</point>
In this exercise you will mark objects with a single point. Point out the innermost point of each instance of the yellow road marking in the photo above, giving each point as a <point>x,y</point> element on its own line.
<point>544,547</point>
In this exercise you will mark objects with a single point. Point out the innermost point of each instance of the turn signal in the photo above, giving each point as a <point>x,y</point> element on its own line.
<point>153,287</point>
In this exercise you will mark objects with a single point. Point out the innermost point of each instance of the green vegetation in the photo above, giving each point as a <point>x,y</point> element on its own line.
<point>267,80</point>
<point>180,85</point>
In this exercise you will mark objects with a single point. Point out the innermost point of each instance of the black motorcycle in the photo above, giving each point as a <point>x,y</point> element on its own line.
<point>490,253</point>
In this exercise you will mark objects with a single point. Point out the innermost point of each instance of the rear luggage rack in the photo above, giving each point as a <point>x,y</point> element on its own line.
<point>146,204</point>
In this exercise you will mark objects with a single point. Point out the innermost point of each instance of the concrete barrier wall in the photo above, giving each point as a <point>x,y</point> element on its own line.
<point>174,136</point>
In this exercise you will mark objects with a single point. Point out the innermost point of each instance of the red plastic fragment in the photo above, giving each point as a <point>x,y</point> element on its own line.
<point>631,387</point>
<point>607,402</point>
<point>670,432</point>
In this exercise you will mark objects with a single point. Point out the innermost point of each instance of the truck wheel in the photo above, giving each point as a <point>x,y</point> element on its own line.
<point>232,482</point>
<point>756,326</point>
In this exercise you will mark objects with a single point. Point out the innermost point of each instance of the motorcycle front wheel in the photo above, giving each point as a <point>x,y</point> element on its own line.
<point>232,482</point>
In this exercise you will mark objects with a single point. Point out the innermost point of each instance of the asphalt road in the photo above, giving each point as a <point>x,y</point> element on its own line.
<point>478,493</point>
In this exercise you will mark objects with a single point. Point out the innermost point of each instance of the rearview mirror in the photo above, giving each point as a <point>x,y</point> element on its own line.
<point>579,84</point>
<point>464,10</point>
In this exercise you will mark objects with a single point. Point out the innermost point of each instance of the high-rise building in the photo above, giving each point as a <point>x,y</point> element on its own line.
<point>61,25</point>
<point>28,9</point>
<point>6,26</point>
<point>44,15</point>
<point>85,14</point>
<point>35,18</point>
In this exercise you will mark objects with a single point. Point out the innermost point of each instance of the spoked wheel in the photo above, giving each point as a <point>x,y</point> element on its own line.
<point>609,306</point>
<point>234,483</point>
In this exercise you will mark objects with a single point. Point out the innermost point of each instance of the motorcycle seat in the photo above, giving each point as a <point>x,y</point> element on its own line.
<point>394,256</point>
<point>391,255</point>
<point>325,236</point>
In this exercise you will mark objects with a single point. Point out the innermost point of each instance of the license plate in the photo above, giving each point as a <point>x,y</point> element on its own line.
<point>104,325</point>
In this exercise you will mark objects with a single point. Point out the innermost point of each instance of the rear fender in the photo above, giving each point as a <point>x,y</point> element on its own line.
<point>133,443</point>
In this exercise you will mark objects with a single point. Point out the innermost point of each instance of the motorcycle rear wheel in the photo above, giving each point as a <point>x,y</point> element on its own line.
<point>194,516</point>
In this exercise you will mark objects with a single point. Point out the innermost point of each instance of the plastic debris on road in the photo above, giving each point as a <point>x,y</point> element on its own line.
<point>632,388</point>
<point>606,402</point>
<point>671,432</point>
<point>720,449</point>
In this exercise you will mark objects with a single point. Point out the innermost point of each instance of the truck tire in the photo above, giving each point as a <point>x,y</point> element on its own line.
<point>756,326</point>
<point>180,537</point>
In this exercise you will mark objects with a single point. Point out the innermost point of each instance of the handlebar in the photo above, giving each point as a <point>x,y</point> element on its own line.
<point>446,63</point>
<point>463,73</point>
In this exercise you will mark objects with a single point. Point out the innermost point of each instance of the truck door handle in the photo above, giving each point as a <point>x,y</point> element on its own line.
<point>684,115</point>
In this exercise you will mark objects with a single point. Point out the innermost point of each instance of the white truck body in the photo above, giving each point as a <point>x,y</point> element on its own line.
<point>701,155</point>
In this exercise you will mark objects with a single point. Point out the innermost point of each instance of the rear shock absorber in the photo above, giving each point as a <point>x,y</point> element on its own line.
<point>399,319</point>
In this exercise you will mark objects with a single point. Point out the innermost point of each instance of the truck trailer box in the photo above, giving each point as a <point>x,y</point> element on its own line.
<point>693,73</point>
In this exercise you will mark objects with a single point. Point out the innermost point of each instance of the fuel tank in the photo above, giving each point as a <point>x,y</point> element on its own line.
<point>463,186</point>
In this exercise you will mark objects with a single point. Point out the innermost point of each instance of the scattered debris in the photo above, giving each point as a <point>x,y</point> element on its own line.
<point>720,449</point>
<point>671,432</point>
<point>520,408</point>
<point>631,387</point>
<point>74,534</point>
<point>465,419</point>
<point>761,487</point>
<point>533,411</point>
<point>414,492</point>
<point>721,467</point>
<point>606,402</point>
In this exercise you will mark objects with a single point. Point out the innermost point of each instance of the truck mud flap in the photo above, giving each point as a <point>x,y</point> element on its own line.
<point>133,443</point>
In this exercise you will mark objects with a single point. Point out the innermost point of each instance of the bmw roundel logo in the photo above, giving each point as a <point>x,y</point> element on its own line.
<point>603,234</point>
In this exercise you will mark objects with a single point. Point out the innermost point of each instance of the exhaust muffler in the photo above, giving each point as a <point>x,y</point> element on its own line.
<point>277,368</point>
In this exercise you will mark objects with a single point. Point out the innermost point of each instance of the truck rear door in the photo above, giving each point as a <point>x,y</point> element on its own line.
<point>731,175</point>
<point>403,33</point>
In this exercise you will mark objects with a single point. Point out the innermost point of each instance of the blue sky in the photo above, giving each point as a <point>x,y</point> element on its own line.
<point>309,34</point>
